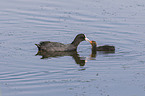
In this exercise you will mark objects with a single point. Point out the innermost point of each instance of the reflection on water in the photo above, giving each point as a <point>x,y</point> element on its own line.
<point>0,91</point>
<point>95,53</point>
<point>115,22</point>
<point>74,54</point>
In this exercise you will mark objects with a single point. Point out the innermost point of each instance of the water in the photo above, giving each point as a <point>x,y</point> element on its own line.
<point>26,22</point>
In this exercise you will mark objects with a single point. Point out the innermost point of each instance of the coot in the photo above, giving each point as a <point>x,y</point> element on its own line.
<point>101,48</point>
<point>56,46</point>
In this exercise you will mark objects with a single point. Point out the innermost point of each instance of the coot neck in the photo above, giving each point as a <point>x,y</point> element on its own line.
<point>76,42</point>
<point>94,49</point>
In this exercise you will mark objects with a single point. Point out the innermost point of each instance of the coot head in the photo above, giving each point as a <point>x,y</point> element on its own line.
<point>79,38</point>
<point>82,37</point>
<point>93,43</point>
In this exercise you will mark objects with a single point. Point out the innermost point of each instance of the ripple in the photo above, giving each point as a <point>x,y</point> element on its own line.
<point>26,22</point>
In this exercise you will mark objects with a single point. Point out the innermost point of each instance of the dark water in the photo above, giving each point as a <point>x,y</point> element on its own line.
<point>26,22</point>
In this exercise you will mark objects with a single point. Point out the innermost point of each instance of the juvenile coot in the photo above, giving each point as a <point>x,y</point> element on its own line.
<point>56,46</point>
<point>101,48</point>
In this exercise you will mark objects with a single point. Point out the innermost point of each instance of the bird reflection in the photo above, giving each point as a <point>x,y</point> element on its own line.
<point>74,54</point>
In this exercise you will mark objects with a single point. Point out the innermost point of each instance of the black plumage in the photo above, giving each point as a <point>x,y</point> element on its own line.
<point>56,46</point>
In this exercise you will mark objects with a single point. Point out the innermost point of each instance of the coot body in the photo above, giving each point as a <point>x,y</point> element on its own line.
<point>56,46</point>
<point>101,48</point>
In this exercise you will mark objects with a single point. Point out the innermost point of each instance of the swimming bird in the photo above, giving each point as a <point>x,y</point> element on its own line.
<point>59,47</point>
<point>101,48</point>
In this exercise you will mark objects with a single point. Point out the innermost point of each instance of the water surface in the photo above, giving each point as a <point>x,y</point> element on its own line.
<point>26,22</point>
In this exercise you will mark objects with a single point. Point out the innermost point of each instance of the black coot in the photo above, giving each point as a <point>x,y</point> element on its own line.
<point>101,48</point>
<point>56,46</point>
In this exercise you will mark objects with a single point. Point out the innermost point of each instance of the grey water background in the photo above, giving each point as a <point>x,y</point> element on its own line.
<point>115,22</point>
